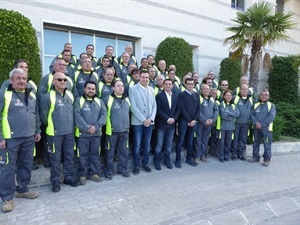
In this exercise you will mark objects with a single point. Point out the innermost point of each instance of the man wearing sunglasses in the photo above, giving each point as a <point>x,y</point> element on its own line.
<point>56,111</point>
<point>223,87</point>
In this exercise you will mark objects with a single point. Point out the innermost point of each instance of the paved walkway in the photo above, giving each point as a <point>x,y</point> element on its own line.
<point>231,193</point>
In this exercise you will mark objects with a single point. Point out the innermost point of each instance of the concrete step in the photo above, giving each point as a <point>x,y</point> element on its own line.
<point>41,177</point>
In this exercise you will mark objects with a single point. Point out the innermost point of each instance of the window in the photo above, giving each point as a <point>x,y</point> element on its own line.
<point>238,4</point>
<point>280,6</point>
<point>55,36</point>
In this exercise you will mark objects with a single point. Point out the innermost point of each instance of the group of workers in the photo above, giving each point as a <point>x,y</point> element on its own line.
<point>86,108</point>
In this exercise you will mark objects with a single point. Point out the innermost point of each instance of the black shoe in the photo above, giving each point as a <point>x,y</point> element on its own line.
<point>234,157</point>
<point>47,165</point>
<point>157,166</point>
<point>71,182</point>
<point>243,158</point>
<point>191,162</point>
<point>35,167</point>
<point>168,165</point>
<point>147,169</point>
<point>55,187</point>
<point>226,159</point>
<point>108,176</point>
<point>221,160</point>
<point>253,160</point>
<point>178,164</point>
<point>136,171</point>
<point>125,174</point>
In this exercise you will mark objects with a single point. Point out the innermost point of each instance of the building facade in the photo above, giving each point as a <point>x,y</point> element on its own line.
<point>144,23</point>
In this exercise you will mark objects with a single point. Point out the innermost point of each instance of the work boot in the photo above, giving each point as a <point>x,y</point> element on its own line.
<point>197,160</point>
<point>8,206</point>
<point>266,163</point>
<point>28,195</point>
<point>203,159</point>
<point>253,160</point>
<point>95,178</point>
<point>82,180</point>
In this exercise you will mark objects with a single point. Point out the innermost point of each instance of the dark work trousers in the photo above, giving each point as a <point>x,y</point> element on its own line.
<point>213,148</point>
<point>266,137</point>
<point>46,158</point>
<point>239,143</point>
<point>224,143</point>
<point>88,153</point>
<point>201,140</point>
<point>21,150</point>
<point>120,141</point>
<point>56,146</point>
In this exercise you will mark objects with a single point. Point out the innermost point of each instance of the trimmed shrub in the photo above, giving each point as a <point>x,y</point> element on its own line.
<point>278,126</point>
<point>18,41</point>
<point>291,114</point>
<point>284,79</point>
<point>176,51</point>
<point>231,70</point>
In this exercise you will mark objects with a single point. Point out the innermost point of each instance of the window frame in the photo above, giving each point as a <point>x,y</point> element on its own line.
<point>235,4</point>
<point>95,32</point>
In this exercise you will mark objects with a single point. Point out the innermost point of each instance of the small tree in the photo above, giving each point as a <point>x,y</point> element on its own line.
<point>176,51</point>
<point>18,41</point>
<point>231,70</point>
<point>255,28</point>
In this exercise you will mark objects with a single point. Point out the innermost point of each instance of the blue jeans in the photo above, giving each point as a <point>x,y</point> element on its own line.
<point>186,134</point>
<point>141,140</point>
<point>164,142</point>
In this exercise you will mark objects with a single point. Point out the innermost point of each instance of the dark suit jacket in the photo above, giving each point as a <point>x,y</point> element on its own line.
<point>164,112</point>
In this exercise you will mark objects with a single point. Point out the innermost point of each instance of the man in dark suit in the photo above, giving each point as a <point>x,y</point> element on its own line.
<point>189,115</point>
<point>168,110</point>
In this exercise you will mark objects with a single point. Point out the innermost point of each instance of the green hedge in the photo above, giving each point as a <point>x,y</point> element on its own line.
<point>231,70</point>
<point>278,126</point>
<point>283,79</point>
<point>291,114</point>
<point>176,51</point>
<point>18,41</point>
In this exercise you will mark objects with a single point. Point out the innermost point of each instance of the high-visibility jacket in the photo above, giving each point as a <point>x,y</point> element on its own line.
<point>264,113</point>
<point>19,114</point>
<point>117,119</point>
<point>56,112</point>
<point>89,112</point>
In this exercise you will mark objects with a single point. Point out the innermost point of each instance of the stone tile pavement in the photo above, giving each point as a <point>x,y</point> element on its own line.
<point>230,193</point>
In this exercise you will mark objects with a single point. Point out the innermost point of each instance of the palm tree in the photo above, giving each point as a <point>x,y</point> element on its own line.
<point>257,27</point>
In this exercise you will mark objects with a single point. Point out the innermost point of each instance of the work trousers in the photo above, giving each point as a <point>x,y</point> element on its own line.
<point>17,159</point>
<point>56,146</point>
<point>119,141</point>
<point>88,153</point>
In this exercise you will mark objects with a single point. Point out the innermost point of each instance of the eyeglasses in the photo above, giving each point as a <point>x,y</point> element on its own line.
<point>190,84</point>
<point>224,84</point>
<point>60,79</point>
